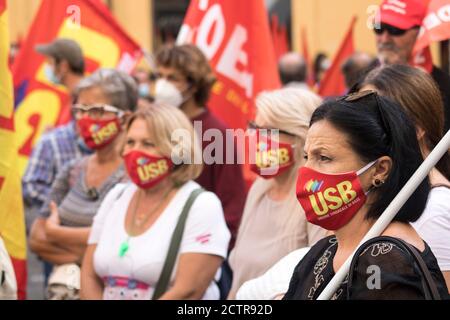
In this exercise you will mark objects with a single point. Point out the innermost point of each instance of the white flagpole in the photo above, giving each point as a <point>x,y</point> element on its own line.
<point>390,212</point>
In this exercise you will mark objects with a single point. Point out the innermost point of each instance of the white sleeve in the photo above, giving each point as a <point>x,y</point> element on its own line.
<point>206,230</point>
<point>434,226</point>
<point>436,233</point>
<point>102,213</point>
<point>275,281</point>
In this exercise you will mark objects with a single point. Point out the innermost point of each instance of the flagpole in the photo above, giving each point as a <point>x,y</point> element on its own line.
<point>390,212</point>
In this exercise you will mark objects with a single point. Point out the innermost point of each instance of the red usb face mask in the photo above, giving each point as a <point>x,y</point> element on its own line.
<point>97,133</point>
<point>272,158</point>
<point>330,200</point>
<point>147,170</point>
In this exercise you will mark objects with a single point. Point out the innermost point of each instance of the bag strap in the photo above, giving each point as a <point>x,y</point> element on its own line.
<point>431,291</point>
<point>174,247</point>
<point>426,273</point>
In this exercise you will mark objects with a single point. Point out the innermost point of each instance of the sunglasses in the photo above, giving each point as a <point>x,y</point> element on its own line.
<point>391,30</point>
<point>251,125</point>
<point>96,111</point>
<point>374,95</point>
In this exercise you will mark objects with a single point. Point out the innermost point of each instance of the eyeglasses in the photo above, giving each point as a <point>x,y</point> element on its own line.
<point>391,30</point>
<point>253,126</point>
<point>96,111</point>
<point>368,94</point>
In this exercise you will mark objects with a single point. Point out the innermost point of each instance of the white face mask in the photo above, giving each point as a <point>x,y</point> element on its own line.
<point>166,92</point>
<point>51,75</point>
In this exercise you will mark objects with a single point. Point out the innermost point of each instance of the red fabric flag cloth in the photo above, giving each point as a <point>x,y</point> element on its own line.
<point>279,37</point>
<point>436,24</point>
<point>305,48</point>
<point>284,41</point>
<point>333,83</point>
<point>435,27</point>
<point>235,37</point>
<point>40,104</point>
<point>274,27</point>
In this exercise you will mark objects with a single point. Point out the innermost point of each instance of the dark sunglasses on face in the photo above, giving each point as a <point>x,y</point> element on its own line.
<point>391,30</point>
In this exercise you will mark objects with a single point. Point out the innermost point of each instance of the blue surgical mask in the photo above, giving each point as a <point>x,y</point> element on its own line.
<point>83,147</point>
<point>51,76</point>
<point>144,90</point>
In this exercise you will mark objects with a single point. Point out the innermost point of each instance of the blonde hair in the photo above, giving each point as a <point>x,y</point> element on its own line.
<point>290,110</point>
<point>162,120</point>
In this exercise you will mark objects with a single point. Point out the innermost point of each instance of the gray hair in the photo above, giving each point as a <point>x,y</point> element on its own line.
<point>117,86</point>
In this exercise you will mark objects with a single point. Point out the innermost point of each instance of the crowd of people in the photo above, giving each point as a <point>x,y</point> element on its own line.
<point>115,213</point>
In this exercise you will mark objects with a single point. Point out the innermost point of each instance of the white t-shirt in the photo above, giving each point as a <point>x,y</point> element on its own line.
<point>434,225</point>
<point>273,283</point>
<point>205,232</point>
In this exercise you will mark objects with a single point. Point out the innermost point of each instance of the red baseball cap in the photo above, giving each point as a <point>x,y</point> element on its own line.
<point>403,14</point>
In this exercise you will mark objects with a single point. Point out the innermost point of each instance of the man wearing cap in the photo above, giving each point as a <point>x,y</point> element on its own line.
<point>400,22</point>
<point>65,62</point>
<point>65,66</point>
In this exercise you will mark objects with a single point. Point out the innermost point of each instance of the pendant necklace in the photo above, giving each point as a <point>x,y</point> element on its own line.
<point>125,245</point>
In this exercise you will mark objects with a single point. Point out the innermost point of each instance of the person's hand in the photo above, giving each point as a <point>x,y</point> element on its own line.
<point>52,223</point>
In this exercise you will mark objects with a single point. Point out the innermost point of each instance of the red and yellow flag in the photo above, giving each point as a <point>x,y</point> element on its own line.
<point>12,220</point>
<point>39,103</point>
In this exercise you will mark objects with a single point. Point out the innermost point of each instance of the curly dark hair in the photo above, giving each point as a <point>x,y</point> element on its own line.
<point>192,63</point>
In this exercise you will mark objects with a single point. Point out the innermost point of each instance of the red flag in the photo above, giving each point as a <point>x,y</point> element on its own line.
<point>279,37</point>
<point>310,71</point>
<point>235,37</point>
<point>284,41</point>
<point>422,59</point>
<point>333,83</point>
<point>275,36</point>
<point>40,104</point>
<point>435,27</point>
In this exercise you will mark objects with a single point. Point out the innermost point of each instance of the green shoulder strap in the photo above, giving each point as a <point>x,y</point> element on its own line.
<point>174,247</point>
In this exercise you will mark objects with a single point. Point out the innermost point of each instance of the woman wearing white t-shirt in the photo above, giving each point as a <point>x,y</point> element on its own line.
<point>132,231</point>
<point>416,91</point>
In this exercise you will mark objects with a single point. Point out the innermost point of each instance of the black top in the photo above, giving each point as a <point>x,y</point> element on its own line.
<point>442,79</point>
<point>400,277</point>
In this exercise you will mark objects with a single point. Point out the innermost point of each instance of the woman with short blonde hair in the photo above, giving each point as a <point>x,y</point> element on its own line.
<point>175,138</point>
<point>132,238</point>
<point>273,223</point>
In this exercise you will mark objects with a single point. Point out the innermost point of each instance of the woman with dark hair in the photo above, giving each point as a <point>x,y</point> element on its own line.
<point>358,157</point>
<point>418,94</point>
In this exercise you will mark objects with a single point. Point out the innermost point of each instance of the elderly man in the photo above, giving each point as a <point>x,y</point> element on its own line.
<point>396,36</point>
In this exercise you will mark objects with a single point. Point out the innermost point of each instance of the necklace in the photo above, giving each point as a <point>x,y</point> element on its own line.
<point>125,245</point>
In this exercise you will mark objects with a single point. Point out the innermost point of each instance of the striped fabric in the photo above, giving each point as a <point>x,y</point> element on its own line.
<point>53,152</point>
<point>77,205</point>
